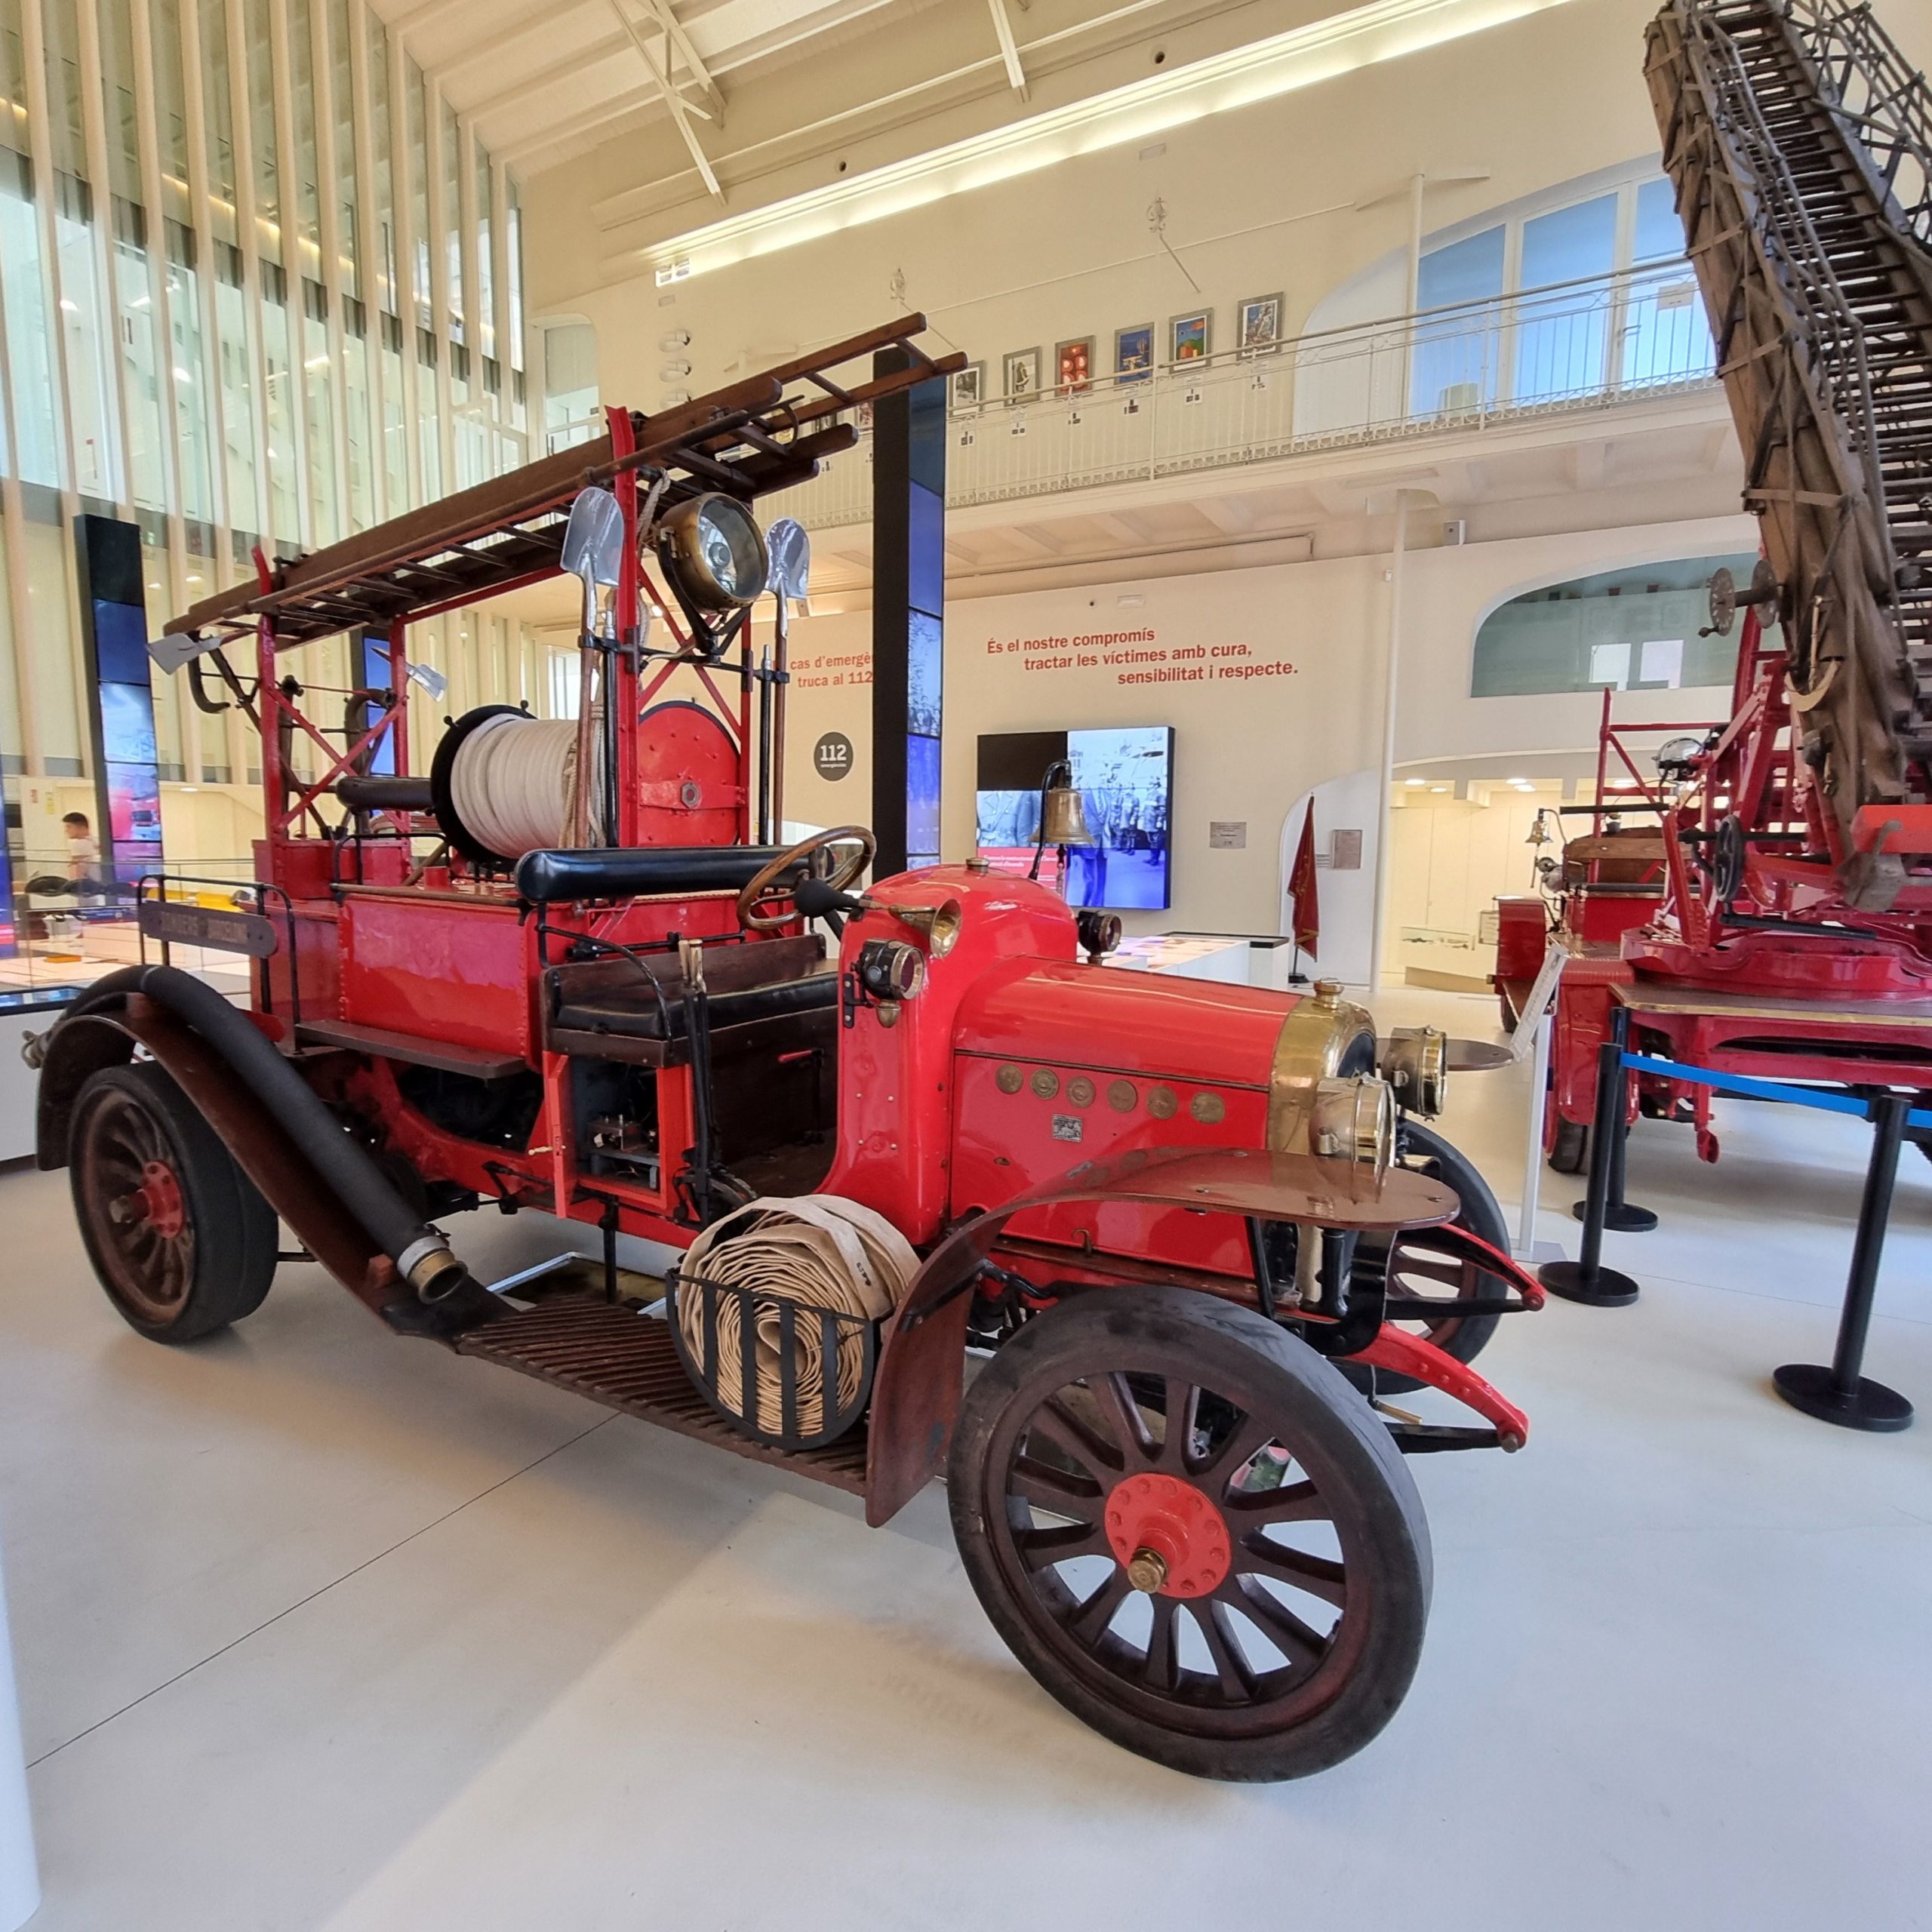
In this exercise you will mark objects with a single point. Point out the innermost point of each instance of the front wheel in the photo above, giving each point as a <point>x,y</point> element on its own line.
<point>179,1237</point>
<point>1410,1265</point>
<point>1193,1533</point>
<point>1570,1152</point>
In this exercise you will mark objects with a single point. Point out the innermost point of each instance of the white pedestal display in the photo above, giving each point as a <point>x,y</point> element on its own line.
<point>20,1883</point>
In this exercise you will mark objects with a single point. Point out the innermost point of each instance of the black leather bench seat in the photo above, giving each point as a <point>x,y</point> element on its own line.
<point>635,1013</point>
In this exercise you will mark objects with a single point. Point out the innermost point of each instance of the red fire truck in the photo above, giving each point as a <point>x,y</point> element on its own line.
<point>1135,1262</point>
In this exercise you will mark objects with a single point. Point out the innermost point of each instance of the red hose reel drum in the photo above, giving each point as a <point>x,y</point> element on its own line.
<point>690,787</point>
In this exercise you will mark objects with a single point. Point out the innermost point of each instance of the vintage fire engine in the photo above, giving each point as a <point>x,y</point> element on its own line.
<point>1762,903</point>
<point>1186,1236</point>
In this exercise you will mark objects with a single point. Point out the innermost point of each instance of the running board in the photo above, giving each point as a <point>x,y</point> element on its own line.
<point>627,1360</point>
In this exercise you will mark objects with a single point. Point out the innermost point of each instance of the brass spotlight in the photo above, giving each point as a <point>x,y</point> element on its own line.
<point>713,545</point>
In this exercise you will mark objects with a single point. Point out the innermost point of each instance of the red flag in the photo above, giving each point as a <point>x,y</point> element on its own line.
<point>1301,885</point>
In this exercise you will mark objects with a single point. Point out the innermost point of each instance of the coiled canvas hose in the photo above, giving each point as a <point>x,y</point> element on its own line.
<point>818,1250</point>
<point>512,783</point>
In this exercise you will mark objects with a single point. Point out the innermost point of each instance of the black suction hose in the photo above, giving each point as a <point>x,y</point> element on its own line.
<point>421,1254</point>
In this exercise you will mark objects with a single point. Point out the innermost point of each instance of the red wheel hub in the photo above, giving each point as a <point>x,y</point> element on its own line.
<point>158,1200</point>
<point>1167,1532</point>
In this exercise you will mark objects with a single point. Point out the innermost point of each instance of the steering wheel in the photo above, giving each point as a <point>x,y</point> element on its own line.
<point>766,903</point>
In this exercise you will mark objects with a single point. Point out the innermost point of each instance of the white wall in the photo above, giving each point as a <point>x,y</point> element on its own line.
<point>1345,900</point>
<point>1248,749</point>
<point>1448,592</point>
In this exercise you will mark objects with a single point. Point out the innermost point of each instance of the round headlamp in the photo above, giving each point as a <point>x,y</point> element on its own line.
<point>713,547</point>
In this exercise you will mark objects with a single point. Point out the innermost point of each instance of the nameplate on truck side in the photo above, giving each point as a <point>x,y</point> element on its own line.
<point>180,922</point>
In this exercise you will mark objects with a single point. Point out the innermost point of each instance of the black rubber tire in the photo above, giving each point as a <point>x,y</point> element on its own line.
<point>1464,1336</point>
<point>1376,1643</point>
<point>230,1261</point>
<point>1509,1013</point>
<point>1570,1153</point>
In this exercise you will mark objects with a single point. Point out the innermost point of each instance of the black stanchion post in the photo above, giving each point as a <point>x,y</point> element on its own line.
<point>1618,1213</point>
<point>1840,1394</point>
<point>1585,1279</point>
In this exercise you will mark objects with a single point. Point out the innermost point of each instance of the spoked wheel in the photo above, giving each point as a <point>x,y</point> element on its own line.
<point>1425,1270</point>
<point>179,1238</point>
<point>1193,1533</point>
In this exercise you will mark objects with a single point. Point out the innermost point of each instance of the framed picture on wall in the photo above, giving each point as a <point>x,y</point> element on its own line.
<point>1134,353</point>
<point>1188,336</point>
<point>1021,370</point>
<point>1073,366</point>
<point>1260,332</point>
<point>969,385</point>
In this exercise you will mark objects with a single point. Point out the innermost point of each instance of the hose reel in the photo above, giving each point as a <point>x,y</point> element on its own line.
<point>503,783</point>
<point>775,1313</point>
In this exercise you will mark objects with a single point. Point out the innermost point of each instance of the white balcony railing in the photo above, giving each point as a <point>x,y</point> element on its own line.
<point>1581,345</point>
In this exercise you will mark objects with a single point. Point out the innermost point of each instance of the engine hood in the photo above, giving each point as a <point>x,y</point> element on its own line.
<point>1115,1020</point>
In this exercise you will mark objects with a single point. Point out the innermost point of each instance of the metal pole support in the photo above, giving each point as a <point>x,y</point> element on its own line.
<point>1585,1279</point>
<point>1840,1394</point>
<point>1619,1214</point>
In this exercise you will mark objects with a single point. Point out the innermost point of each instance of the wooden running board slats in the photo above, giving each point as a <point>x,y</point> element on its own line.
<point>628,1361</point>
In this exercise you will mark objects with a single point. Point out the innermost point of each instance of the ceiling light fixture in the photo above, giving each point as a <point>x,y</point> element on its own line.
<point>1304,57</point>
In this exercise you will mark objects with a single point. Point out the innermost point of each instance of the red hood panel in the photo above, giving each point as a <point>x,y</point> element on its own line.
<point>1116,1020</point>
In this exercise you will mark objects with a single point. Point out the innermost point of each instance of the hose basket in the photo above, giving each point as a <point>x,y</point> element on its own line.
<point>775,1313</point>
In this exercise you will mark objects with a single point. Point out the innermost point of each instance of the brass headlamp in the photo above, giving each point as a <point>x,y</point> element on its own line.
<point>713,547</point>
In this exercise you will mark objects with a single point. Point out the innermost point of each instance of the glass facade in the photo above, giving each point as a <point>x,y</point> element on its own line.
<point>262,287</point>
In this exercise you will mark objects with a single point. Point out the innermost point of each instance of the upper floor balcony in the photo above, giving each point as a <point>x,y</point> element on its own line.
<point>1591,345</point>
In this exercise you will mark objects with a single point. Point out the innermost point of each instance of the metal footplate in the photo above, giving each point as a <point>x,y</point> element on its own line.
<point>626,1361</point>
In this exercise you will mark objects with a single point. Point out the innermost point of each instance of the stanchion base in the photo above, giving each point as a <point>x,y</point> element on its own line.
<point>1606,1289</point>
<point>1627,1220</point>
<point>1870,1406</point>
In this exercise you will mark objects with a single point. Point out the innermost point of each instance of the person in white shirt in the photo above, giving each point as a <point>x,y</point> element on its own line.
<point>83,854</point>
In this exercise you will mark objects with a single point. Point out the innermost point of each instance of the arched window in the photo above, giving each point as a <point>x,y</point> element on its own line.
<point>1573,295</point>
<point>1634,629</point>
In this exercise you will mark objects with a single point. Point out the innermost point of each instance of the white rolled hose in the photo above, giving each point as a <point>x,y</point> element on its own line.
<point>512,783</point>
<point>818,1250</point>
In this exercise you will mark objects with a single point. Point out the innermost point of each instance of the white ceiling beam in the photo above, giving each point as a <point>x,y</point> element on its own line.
<point>425,15</point>
<point>660,11</point>
<point>681,110</point>
<point>493,45</point>
<point>1009,49</point>
<point>1232,516</point>
<point>633,100</point>
<point>515,91</point>
<point>1035,538</point>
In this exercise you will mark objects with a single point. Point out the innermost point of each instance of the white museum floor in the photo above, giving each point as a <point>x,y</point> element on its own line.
<point>318,1631</point>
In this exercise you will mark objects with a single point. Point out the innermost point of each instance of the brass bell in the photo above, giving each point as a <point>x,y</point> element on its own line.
<point>1063,817</point>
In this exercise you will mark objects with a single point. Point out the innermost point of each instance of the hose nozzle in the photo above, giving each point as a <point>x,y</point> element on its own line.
<point>429,1268</point>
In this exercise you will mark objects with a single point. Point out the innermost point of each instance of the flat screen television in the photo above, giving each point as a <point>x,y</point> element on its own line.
<point>1125,777</point>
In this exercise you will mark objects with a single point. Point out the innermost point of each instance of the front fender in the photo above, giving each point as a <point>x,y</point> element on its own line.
<point>915,1398</point>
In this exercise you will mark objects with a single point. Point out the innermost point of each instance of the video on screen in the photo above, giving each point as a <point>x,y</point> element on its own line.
<point>1125,779</point>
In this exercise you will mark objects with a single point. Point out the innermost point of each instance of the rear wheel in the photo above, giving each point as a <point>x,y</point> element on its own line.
<point>1193,1533</point>
<point>178,1236</point>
